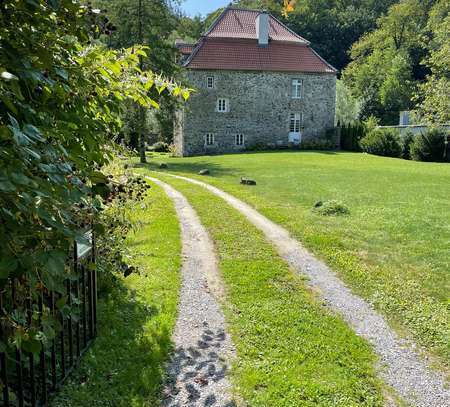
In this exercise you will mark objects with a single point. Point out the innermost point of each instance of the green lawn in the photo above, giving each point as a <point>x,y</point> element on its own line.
<point>393,248</point>
<point>125,367</point>
<point>291,350</point>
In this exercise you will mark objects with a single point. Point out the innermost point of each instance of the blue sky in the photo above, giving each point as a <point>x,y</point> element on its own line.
<point>203,7</point>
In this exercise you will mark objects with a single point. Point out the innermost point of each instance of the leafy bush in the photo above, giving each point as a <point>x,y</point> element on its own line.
<point>160,147</point>
<point>406,142</point>
<point>123,192</point>
<point>318,144</point>
<point>62,97</point>
<point>382,142</point>
<point>430,146</point>
<point>331,208</point>
<point>351,134</point>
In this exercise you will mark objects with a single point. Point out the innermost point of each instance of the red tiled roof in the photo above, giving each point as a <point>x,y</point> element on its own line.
<point>185,49</point>
<point>246,55</point>
<point>237,23</point>
<point>231,44</point>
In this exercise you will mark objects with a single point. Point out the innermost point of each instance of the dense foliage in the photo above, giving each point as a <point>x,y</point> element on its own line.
<point>406,141</point>
<point>434,95</point>
<point>351,135</point>
<point>384,143</point>
<point>409,46</point>
<point>154,24</point>
<point>61,99</point>
<point>430,146</point>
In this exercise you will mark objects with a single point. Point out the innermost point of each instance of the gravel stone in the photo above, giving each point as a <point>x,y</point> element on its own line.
<point>399,365</point>
<point>198,371</point>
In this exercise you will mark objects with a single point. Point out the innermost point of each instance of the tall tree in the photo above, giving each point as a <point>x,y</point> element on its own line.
<point>434,94</point>
<point>150,23</point>
<point>387,61</point>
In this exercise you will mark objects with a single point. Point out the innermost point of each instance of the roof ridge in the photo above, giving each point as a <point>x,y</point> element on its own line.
<point>272,17</point>
<point>216,21</point>
<point>291,31</point>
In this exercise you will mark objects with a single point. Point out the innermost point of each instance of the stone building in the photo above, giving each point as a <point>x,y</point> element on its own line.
<point>258,85</point>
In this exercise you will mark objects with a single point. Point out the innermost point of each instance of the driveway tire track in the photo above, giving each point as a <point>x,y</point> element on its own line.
<point>400,366</point>
<point>198,370</point>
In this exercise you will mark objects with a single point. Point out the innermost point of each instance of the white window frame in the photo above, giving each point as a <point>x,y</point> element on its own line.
<point>239,139</point>
<point>210,139</point>
<point>297,88</point>
<point>222,105</point>
<point>295,122</point>
<point>210,82</point>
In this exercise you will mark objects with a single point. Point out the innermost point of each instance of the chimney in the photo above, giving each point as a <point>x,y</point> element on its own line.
<point>262,29</point>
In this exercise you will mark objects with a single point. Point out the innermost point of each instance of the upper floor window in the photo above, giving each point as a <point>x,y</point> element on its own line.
<point>209,139</point>
<point>297,88</point>
<point>222,105</point>
<point>239,139</point>
<point>210,82</point>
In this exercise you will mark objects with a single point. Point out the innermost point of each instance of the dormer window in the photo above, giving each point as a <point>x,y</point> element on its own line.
<point>297,88</point>
<point>210,82</point>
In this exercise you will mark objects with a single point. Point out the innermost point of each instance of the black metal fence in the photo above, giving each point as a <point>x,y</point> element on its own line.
<point>29,379</point>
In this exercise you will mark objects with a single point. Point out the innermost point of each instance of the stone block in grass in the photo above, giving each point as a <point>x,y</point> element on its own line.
<point>247,181</point>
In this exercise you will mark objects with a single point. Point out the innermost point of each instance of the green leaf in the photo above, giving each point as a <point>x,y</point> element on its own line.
<point>98,177</point>
<point>9,104</point>
<point>7,186</point>
<point>32,346</point>
<point>62,73</point>
<point>61,302</point>
<point>56,261</point>
<point>32,153</point>
<point>99,228</point>
<point>20,178</point>
<point>20,138</point>
<point>33,132</point>
<point>7,266</point>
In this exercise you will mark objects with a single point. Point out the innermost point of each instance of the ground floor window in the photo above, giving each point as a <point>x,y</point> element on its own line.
<point>295,122</point>
<point>239,139</point>
<point>209,139</point>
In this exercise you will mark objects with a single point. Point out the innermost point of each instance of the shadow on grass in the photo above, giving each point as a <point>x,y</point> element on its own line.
<point>175,165</point>
<point>126,365</point>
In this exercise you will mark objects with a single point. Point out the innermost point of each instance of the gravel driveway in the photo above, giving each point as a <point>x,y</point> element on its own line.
<point>203,349</point>
<point>400,366</point>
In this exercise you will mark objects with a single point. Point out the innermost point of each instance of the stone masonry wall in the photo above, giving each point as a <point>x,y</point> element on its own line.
<point>260,104</point>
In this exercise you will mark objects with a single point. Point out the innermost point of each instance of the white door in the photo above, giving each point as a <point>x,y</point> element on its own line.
<point>295,135</point>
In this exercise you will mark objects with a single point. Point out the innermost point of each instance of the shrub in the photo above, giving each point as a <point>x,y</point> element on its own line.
<point>382,142</point>
<point>430,146</point>
<point>351,134</point>
<point>319,144</point>
<point>406,142</point>
<point>331,208</point>
<point>160,147</point>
